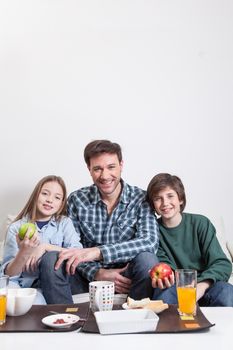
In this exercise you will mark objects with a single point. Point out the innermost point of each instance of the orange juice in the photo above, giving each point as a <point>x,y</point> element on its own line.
<point>186,300</point>
<point>2,309</point>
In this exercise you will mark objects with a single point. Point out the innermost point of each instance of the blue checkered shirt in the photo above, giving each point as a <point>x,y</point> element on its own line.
<point>130,229</point>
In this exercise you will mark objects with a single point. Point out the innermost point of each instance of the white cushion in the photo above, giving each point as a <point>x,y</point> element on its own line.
<point>224,246</point>
<point>230,249</point>
<point>5,226</point>
<point>9,219</point>
<point>1,250</point>
<point>218,223</point>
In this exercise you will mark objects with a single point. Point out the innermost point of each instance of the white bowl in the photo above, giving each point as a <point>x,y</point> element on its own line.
<point>19,300</point>
<point>126,321</point>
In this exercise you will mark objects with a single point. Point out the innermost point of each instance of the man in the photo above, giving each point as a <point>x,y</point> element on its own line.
<point>118,231</point>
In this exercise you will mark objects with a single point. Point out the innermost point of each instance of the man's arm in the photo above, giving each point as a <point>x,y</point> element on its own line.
<point>122,283</point>
<point>92,270</point>
<point>145,239</point>
<point>142,236</point>
<point>76,256</point>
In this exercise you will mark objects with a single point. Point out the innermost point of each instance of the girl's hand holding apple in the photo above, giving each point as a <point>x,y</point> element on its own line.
<point>27,244</point>
<point>28,228</point>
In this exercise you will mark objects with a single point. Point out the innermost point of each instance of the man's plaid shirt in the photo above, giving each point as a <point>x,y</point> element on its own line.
<point>130,229</point>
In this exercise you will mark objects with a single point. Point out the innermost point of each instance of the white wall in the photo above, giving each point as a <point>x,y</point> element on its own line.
<point>154,75</point>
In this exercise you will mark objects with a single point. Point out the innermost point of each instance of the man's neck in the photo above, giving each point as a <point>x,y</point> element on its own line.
<point>112,199</point>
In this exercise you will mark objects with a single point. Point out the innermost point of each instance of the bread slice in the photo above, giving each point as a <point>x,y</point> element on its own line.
<point>136,304</point>
<point>156,305</point>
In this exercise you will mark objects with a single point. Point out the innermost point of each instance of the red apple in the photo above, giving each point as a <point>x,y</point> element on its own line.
<point>160,270</point>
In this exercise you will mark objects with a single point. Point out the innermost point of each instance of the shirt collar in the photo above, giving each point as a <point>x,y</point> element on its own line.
<point>124,197</point>
<point>53,221</point>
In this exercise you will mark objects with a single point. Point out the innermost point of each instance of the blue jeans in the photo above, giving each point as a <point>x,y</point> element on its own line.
<point>138,272</point>
<point>58,286</point>
<point>219,294</point>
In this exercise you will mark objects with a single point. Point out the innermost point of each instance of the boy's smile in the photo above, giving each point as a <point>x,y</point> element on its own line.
<point>167,204</point>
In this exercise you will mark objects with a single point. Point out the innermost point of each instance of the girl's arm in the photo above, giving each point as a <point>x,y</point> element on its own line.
<point>26,247</point>
<point>33,260</point>
<point>70,238</point>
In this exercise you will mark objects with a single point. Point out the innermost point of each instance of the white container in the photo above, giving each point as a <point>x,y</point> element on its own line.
<point>126,321</point>
<point>19,301</point>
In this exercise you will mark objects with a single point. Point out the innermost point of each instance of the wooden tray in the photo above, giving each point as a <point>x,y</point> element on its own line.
<point>169,322</point>
<point>31,321</point>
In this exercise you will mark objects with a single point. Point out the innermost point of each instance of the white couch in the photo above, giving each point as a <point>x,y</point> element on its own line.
<point>227,246</point>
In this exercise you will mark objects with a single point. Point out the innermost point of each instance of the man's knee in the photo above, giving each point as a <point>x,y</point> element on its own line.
<point>142,263</point>
<point>146,260</point>
<point>48,261</point>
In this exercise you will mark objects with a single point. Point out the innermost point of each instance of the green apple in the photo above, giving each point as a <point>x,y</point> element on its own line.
<point>24,227</point>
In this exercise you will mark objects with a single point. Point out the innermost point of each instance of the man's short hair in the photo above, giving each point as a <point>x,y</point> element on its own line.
<point>98,147</point>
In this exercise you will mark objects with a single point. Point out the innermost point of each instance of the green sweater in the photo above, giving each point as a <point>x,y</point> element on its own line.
<point>193,245</point>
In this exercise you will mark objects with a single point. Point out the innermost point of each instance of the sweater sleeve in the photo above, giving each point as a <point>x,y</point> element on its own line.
<point>216,265</point>
<point>165,257</point>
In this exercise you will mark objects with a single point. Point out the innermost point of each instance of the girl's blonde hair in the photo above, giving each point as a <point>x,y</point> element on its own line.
<point>31,205</point>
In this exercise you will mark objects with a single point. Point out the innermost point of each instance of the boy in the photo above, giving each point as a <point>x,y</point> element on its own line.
<point>188,241</point>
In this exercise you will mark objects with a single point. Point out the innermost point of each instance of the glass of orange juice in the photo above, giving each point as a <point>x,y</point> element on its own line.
<point>186,287</point>
<point>3,295</point>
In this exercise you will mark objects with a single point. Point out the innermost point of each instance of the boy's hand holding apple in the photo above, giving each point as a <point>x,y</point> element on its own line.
<point>162,276</point>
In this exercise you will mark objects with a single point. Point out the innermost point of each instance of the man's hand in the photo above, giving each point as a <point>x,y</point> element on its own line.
<point>75,256</point>
<point>122,284</point>
<point>166,282</point>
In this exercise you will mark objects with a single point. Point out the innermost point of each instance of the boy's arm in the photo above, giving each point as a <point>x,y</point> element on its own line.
<point>217,266</point>
<point>164,257</point>
<point>202,287</point>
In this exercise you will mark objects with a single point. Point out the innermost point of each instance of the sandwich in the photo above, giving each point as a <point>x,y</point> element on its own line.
<point>155,305</point>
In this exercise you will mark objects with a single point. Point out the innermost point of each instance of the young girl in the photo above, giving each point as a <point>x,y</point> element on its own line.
<point>188,241</point>
<point>46,208</point>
